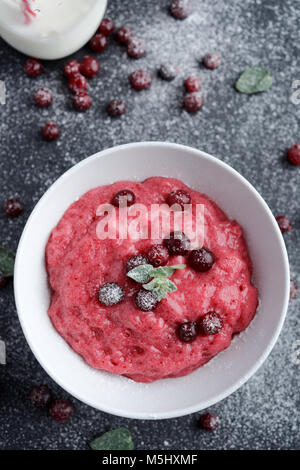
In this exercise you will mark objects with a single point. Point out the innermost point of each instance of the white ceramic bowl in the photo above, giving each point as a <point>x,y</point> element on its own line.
<point>224,373</point>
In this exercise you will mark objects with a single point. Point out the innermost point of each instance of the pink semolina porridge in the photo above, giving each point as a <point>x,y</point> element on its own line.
<point>163,341</point>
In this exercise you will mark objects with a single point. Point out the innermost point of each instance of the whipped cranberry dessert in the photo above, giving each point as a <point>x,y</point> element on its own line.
<point>149,307</point>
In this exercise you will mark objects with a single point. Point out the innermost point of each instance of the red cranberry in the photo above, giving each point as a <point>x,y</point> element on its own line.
<point>212,60</point>
<point>140,79</point>
<point>124,35</point>
<point>193,102</point>
<point>13,208</point>
<point>178,244</point>
<point>180,196</point>
<point>106,27</point>
<point>145,300</point>
<point>187,332</point>
<point>82,101</point>
<point>293,289</point>
<point>33,67</point>
<point>180,9</point>
<point>125,195</point>
<point>61,410</point>
<point>3,281</point>
<point>210,324</point>
<point>201,260</point>
<point>98,43</point>
<point>284,223</point>
<point>43,98</point>
<point>209,422</point>
<point>50,131</point>
<point>77,83</point>
<point>168,72</point>
<point>110,294</point>
<point>136,261</point>
<point>72,67</point>
<point>136,48</point>
<point>116,108</point>
<point>89,66</point>
<point>294,154</point>
<point>193,84</point>
<point>158,255</point>
<point>40,396</point>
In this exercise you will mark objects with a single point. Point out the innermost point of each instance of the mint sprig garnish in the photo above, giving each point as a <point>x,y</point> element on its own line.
<point>160,285</point>
<point>118,439</point>
<point>7,261</point>
<point>254,80</point>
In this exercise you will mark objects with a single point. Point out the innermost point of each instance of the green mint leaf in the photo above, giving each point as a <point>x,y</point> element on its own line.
<point>167,271</point>
<point>254,80</point>
<point>7,261</point>
<point>118,439</point>
<point>141,273</point>
<point>160,287</point>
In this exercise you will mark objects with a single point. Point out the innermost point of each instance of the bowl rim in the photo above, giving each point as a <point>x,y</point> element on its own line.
<point>230,389</point>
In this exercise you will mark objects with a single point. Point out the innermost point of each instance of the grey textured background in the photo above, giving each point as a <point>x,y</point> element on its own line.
<point>250,133</point>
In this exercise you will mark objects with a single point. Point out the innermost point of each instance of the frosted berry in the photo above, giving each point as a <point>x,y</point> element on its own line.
<point>140,79</point>
<point>193,84</point>
<point>116,108</point>
<point>124,196</point>
<point>40,396</point>
<point>201,260</point>
<point>124,35</point>
<point>284,223</point>
<point>178,244</point>
<point>168,72</point>
<point>43,97</point>
<point>179,196</point>
<point>145,300</point>
<point>210,324</point>
<point>193,102</point>
<point>82,101</point>
<point>13,208</point>
<point>106,27</point>
<point>294,154</point>
<point>180,9</point>
<point>110,294</point>
<point>61,410</point>
<point>89,66</point>
<point>187,332</point>
<point>98,43</point>
<point>158,255</point>
<point>33,67</point>
<point>77,83</point>
<point>212,60</point>
<point>72,67</point>
<point>209,422</point>
<point>136,261</point>
<point>136,48</point>
<point>50,131</point>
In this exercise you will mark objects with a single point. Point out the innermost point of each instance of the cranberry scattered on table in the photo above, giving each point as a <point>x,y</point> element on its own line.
<point>168,72</point>
<point>77,83</point>
<point>124,35</point>
<point>82,101</point>
<point>193,102</point>
<point>294,154</point>
<point>140,79</point>
<point>43,97</point>
<point>33,67</point>
<point>50,131</point>
<point>193,84</point>
<point>284,223</point>
<point>209,422</point>
<point>98,43</point>
<point>61,410</point>
<point>72,67</point>
<point>180,9</point>
<point>136,48</point>
<point>212,60</point>
<point>40,396</point>
<point>106,27</point>
<point>116,107</point>
<point>89,66</point>
<point>13,208</point>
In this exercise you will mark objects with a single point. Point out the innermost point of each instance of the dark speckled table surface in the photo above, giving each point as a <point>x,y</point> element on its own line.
<point>250,133</point>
